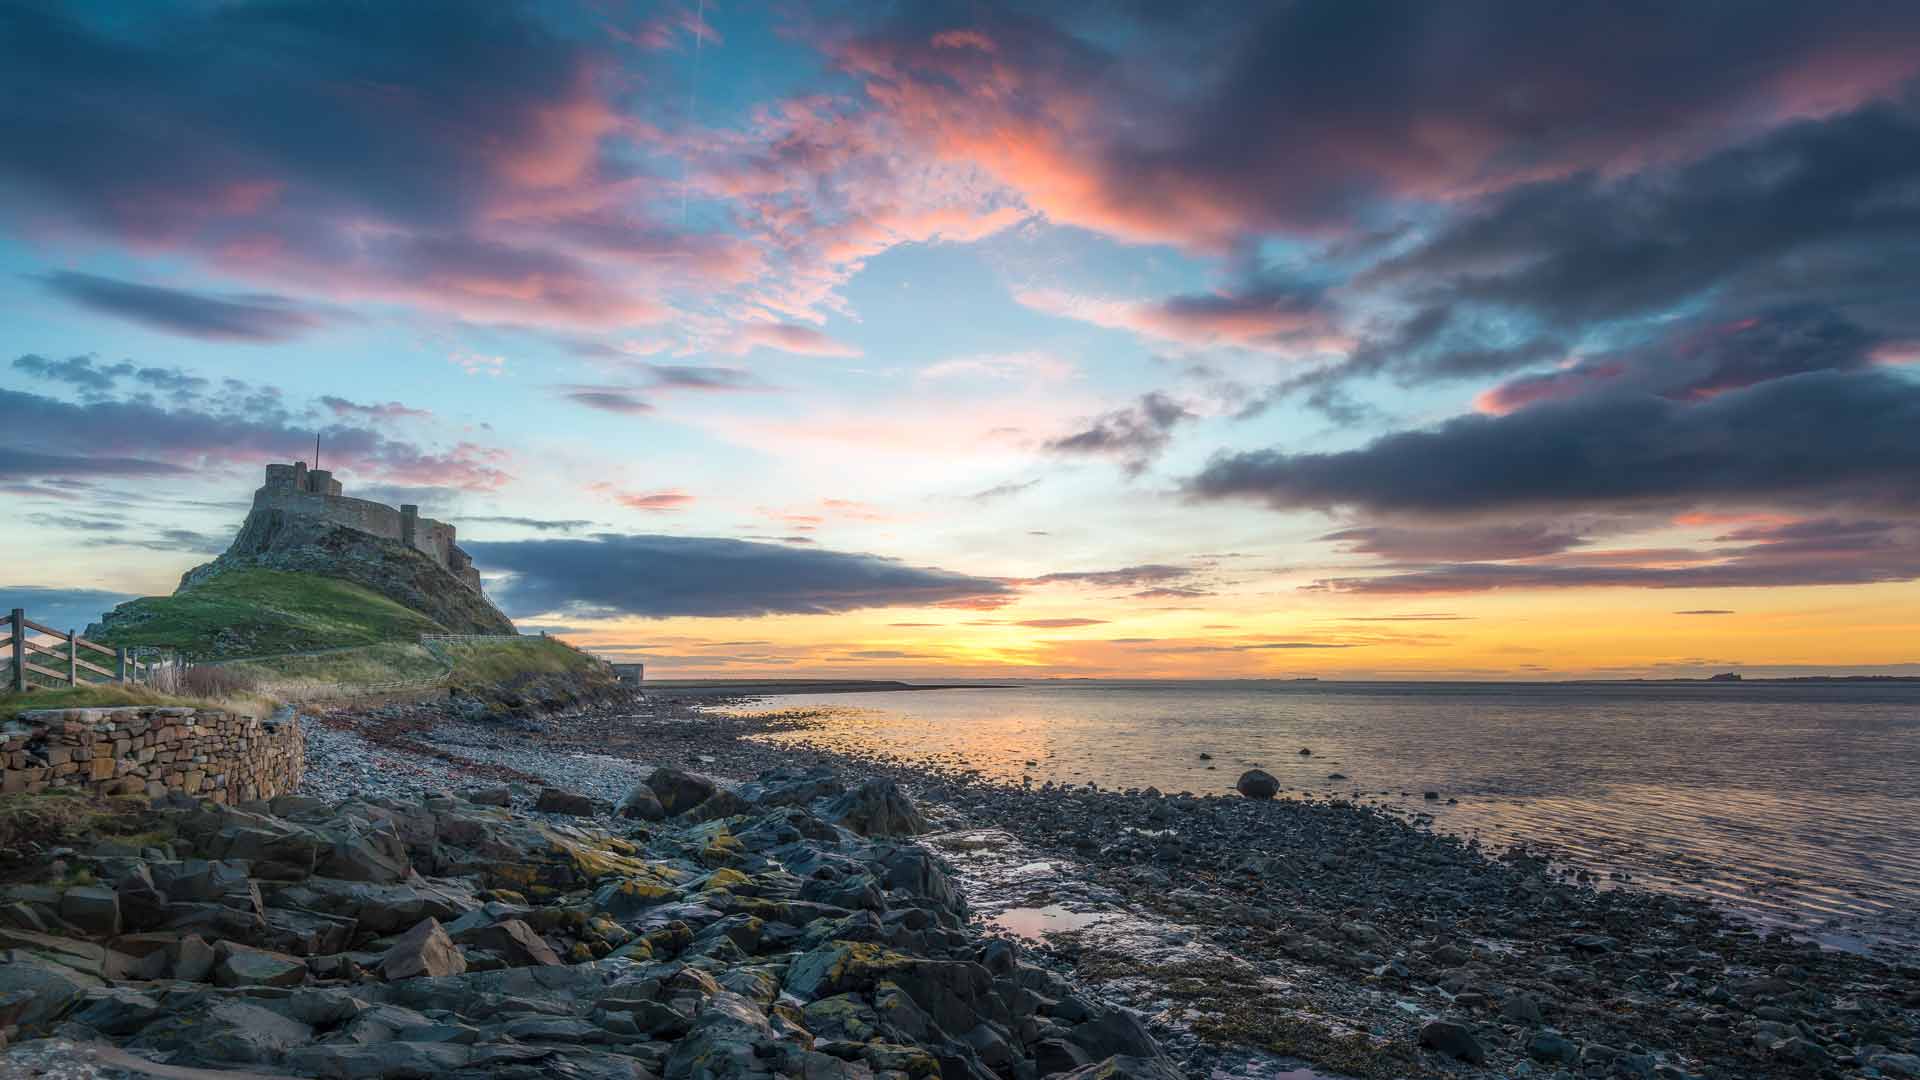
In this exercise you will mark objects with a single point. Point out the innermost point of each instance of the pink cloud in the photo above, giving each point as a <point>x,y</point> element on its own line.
<point>786,337</point>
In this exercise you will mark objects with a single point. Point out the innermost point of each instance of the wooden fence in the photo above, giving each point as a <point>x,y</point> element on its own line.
<point>39,655</point>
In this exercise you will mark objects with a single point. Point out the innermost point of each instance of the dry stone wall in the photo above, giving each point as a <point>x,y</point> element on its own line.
<point>207,753</point>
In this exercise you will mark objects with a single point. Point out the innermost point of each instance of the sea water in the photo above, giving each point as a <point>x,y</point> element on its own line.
<point>1796,803</point>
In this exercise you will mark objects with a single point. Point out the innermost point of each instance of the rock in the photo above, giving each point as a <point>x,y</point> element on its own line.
<point>876,808</point>
<point>497,796</point>
<point>1553,1048</point>
<point>512,940</point>
<point>678,791</point>
<point>192,959</point>
<point>642,804</point>
<point>1431,795</point>
<point>54,986</point>
<point>220,1031</point>
<point>338,1061</point>
<point>556,801</point>
<point>1122,1067</point>
<point>142,905</point>
<point>243,965</point>
<point>724,1041</point>
<point>1452,1039</point>
<point>1902,1065</point>
<point>423,950</point>
<point>1257,784</point>
<point>92,910</point>
<point>1115,1029</point>
<point>1521,1009</point>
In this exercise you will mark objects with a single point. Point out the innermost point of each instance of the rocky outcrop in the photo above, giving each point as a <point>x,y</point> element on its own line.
<point>273,539</point>
<point>385,938</point>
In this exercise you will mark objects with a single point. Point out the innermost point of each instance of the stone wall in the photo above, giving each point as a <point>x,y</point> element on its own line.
<point>150,750</point>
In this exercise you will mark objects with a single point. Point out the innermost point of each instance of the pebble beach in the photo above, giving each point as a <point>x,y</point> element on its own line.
<point>1255,937</point>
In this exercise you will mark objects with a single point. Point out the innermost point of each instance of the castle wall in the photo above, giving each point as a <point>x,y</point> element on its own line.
<point>296,490</point>
<point>375,518</point>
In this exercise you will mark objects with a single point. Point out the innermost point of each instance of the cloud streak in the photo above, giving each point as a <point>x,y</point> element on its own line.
<point>665,576</point>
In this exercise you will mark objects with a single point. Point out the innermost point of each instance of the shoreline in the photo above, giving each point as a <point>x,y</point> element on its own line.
<point>1333,934</point>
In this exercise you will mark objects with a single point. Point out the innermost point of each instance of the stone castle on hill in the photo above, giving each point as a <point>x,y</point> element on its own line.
<point>300,492</point>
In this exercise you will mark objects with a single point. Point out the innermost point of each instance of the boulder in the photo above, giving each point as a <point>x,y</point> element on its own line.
<point>1257,784</point>
<point>243,965</point>
<point>191,959</point>
<point>1123,1067</point>
<point>876,808</point>
<point>512,940</point>
<point>220,1031</point>
<point>496,796</point>
<point>679,791</point>
<point>424,950</point>
<point>92,910</point>
<point>53,986</point>
<point>142,905</point>
<point>642,804</point>
<point>1453,1039</point>
<point>556,801</point>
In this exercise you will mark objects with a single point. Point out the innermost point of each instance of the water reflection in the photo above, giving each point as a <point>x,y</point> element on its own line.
<point>1795,802</point>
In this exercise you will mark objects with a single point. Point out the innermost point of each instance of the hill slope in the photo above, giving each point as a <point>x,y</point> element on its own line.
<point>256,612</point>
<point>272,539</point>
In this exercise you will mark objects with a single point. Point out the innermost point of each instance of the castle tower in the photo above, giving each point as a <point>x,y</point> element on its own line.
<point>409,524</point>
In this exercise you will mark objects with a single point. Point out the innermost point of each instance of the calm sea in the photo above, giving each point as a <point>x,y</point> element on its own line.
<point>1797,803</point>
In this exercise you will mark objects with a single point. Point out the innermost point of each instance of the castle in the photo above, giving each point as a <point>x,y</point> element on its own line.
<point>298,491</point>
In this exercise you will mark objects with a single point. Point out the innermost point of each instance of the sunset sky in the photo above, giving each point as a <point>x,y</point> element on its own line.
<point>1328,338</point>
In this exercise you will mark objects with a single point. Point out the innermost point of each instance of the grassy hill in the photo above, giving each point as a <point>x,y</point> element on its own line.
<point>250,612</point>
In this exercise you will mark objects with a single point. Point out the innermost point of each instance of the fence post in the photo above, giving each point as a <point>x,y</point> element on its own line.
<point>73,660</point>
<point>120,664</point>
<point>19,621</point>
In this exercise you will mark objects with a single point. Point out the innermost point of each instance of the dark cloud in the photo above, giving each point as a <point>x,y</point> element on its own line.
<point>167,540</point>
<point>1203,124</point>
<point>250,318</point>
<point>69,608</point>
<point>1146,574</point>
<point>1415,544</point>
<point>608,399</point>
<point>1059,624</point>
<point>707,378</point>
<point>1820,552</point>
<point>379,150</point>
<point>16,464</point>
<point>664,576</point>
<point>1167,592</point>
<point>79,372</point>
<point>136,437</point>
<point>78,523</point>
<point>1134,435</point>
<point>1001,491</point>
<point>1818,437</point>
<point>391,410</point>
<point>1701,358</point>
<point>542,524</point>
<point>1595,247</point>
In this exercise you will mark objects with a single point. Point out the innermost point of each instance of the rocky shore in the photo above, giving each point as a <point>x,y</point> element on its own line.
<point>786,927</point>
<point>1198,936</point>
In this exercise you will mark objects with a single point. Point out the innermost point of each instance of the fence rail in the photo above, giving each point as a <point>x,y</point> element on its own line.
<point>62,650</point>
